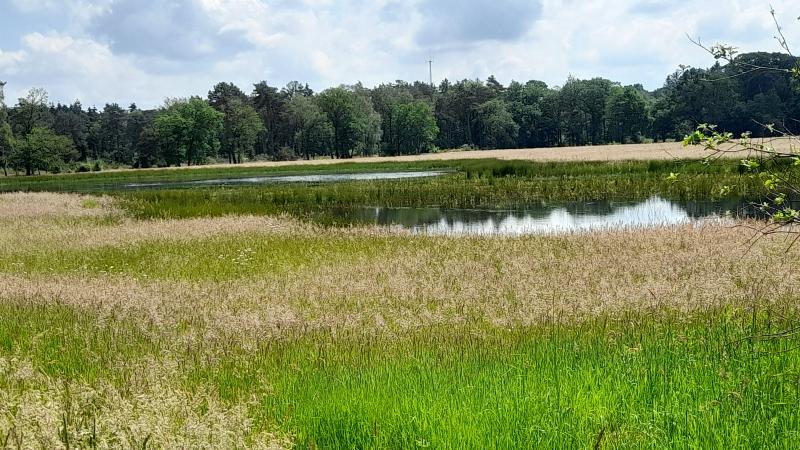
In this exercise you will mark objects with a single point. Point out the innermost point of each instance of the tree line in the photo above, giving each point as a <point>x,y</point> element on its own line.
<point>394,119</point>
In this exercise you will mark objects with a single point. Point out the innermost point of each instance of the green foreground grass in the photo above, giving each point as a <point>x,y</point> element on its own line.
<point>631,382</point>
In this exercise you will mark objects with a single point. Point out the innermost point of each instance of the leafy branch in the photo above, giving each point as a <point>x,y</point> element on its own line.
<point>778,169</point>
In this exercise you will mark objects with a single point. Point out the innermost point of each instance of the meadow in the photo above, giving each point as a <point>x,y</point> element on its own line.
<point>223,318</point>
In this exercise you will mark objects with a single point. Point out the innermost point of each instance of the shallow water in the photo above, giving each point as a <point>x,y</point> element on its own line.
<point>318,178</point>
<point>550,218</point>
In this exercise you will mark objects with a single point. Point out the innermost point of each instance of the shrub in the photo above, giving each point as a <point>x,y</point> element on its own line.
<point>285,154</point>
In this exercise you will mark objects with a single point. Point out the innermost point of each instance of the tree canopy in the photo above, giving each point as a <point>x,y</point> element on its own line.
<point>407,118</point>
<point>189,131</point>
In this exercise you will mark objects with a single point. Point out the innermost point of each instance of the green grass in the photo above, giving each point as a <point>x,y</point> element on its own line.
<point>548,387</point>
<point>216,259</point>
<point>109,181</point>
<point>314,201</point>
<point>68,344</point>
<point>641,381</point>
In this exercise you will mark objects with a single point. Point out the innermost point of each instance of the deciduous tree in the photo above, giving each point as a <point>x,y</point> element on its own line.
<point>312,132</point>
<point>270,104</point>
<point>189,131</point>
<point>41,149</point>
<point>626,112</point>
<point>416,126</point>
<point>31,112</point>
<point>356,125</point>
<point>241,128</point>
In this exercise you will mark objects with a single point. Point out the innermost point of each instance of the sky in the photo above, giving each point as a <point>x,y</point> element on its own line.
<point>144,51</point>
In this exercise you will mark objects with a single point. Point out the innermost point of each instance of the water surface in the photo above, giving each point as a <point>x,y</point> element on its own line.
<point>550,218</point>
<point>279,179</point>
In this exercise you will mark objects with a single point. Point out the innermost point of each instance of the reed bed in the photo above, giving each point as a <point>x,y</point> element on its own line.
<point>583,180</point>
<point>266,332</point>
<point>320,203</point>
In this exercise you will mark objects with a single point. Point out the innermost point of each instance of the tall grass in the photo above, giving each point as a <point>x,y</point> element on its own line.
<point>633,381</point>
<point>243,332</point>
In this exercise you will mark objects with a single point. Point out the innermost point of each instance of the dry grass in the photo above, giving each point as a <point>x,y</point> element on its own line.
<point>40,412</point>
<point>14,206</point>
<point>43,220</point>
<point>596,153</point>
<point>417,281</point>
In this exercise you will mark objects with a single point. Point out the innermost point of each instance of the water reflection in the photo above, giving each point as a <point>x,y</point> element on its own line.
<point>546,219</point>
<point>319,178</point>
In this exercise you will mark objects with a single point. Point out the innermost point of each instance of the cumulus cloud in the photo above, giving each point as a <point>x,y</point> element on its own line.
<point>174,30</point>
<point>75,13</point>
<point>10,62</point>
<point>81,68</point>
<point>78,67</point>
<point>466,21</point>
<point>145,50</point>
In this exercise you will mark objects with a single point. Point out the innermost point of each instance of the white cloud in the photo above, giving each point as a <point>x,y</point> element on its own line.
<point>10,62</point>
<point>80,68</point>
<point>79,12</point>
<point>143,51</point>
<point>249,17</point>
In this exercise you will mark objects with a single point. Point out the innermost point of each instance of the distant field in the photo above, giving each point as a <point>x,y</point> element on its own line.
<point>597,153</point>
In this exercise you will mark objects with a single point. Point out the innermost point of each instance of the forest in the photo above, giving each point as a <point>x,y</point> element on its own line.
<point>294,122</point>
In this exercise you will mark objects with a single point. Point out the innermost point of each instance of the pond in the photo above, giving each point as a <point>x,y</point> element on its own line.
<point>311,178</point>
<point>550,218</point>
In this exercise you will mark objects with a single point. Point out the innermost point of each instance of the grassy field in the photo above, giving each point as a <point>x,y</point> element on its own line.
<point>232,331</point>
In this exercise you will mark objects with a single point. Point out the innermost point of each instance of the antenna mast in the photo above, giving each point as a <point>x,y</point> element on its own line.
<point>430,68</point>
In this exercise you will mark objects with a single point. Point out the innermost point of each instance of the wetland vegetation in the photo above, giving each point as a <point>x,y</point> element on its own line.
<point>237,316</point>
<point>465,184</point>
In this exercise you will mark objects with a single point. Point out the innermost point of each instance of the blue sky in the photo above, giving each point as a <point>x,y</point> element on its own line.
<point>146,50</point>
